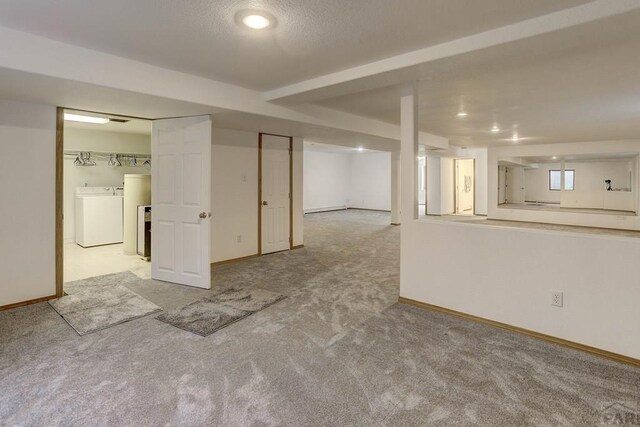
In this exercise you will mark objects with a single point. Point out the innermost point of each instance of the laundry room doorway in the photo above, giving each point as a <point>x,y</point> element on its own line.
<point>107,203</point>
<point>106,197</point>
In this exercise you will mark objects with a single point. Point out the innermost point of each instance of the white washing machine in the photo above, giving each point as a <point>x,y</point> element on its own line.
<point>98,216</point>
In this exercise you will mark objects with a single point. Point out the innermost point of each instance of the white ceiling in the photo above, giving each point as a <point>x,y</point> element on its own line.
<point>575,81</point>
<point>311,38</point>
<point>574,158</point>
<point>578,84</point>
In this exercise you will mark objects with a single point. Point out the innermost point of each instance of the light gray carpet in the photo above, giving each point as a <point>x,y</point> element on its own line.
<point>338,351</point>
<point>250,300</point>
<point>101,302</point>
<point>123,278</point>
<point>210,314</point>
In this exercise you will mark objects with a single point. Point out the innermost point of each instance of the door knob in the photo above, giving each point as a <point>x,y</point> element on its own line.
<point>202,215</point>
<point>265,203</point>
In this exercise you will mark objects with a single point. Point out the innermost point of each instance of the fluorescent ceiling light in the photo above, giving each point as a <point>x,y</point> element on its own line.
<point>85,119</point>
<point>257,22</point>
<point>462,114</point>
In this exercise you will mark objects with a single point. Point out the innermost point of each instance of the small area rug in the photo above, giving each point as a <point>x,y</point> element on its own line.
<point>101,303</point>
<point>213,313</point>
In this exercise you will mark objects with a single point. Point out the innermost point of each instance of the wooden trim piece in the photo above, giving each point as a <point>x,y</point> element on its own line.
<point>275,134</point>
<point>560,341</point>
<point>59,221</point>
<point>290,193</point>
<point>229,261</point>
<point>297,247</point>
<point>260,194</point>
<point>29,302</point>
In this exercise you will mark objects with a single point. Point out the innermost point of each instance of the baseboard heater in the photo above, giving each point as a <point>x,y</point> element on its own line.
<point>326,209</point>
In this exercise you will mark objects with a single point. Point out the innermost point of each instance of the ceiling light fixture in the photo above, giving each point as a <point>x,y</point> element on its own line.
<point>256,21</point>
<point>462,114</point>
<point>495,129</point>
<point>515,137</point>
<point>361,149</point>
<point>85,119</point>
<point>553,158</point>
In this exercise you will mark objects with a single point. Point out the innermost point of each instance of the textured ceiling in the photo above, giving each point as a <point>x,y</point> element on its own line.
<point>578,84</point>
<point>311,38</point>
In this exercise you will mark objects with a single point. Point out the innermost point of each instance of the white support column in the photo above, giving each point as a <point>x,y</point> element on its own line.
<point>395,188</point>
<point>409,153</point>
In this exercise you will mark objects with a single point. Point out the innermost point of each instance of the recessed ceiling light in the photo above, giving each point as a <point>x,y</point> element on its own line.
<point>85,119</point>
<point>255,21</point>
<point>495,128</point>
<point>462,114</point>
<point>553,158</point>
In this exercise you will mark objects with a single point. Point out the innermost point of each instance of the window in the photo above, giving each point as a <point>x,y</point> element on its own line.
<point>555,180</point>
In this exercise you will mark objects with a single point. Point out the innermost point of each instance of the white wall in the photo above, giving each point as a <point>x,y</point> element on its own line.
<point>27,211</point>
<point>589,185</point>
<point>480,183</point>
<point>101,174</point>
<point>341,180</point>
<point>447,195</point>
<point>507,275</point>
<point>631,222</point>
<point>326,180</point>
<point>370,181</point>
<point>434,186</point>
<point>536,184</point>
<point>234,200</point>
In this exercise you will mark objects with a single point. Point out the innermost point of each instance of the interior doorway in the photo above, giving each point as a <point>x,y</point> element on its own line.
<point>422,185</point>
<point>104,198</point>
<point>102,154</point>
<point>464,186</point>
<point>275,204</point>
<point>514,183</point>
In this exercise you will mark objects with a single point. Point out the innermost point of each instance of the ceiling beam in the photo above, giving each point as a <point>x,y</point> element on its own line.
<point>404,67</point>
<point>61,63</point>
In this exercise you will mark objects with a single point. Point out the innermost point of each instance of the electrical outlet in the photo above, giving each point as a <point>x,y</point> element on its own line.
<point>556,298</point>
<point>239,238</point>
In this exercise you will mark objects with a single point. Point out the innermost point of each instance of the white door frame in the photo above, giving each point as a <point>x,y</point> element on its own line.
<point>260,189</point>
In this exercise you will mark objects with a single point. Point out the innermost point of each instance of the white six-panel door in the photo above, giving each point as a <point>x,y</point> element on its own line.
<point>181,201</point>
<point>515,185</point>
<point>276,194</point>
